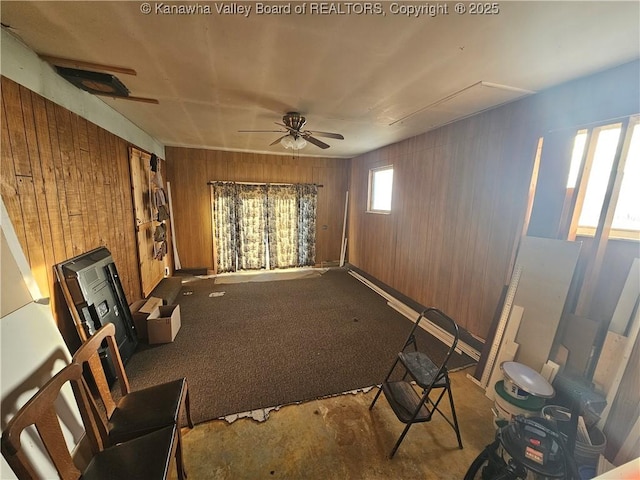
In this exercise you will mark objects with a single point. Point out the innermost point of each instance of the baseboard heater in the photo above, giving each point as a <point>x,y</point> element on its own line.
<point>438,332</point>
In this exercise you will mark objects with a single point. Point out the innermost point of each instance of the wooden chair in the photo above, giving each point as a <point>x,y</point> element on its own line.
<point>429,373</point>
<point>147,457</point>
<point>137,412</point>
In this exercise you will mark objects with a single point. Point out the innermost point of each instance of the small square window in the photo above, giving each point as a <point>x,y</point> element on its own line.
<point>380,189</point>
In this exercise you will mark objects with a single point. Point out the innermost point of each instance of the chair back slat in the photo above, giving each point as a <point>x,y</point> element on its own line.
<point>88,354</point>
<point>99,379</point>
<point>50,431</point>
<point>92,416</point>
<point>123,380</point>
<point>40,412</point>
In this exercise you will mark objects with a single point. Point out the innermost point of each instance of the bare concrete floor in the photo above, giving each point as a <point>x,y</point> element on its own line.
<point>339,438</point>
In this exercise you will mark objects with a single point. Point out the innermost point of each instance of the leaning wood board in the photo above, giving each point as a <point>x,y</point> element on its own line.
<point>151,270</point>
<point>547,271</point>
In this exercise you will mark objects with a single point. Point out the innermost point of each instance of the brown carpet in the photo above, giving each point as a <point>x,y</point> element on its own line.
<point>273,343</point>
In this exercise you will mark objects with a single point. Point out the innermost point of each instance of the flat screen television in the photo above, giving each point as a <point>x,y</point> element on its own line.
<point>95,297</point>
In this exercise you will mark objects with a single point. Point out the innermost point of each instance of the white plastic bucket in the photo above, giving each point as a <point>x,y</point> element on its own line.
<point>508,410</point>
<point>514,390</point>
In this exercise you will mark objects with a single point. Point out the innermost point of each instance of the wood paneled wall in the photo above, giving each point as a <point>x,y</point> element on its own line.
<point>460,195</point>
<point>189,170</point>
<point>459,198</point>
<point>66,186</point>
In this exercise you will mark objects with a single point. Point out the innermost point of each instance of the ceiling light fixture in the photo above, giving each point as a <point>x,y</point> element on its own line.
<point>293,142</point>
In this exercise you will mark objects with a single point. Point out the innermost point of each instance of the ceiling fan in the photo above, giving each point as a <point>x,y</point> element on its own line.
<point>294,136</point>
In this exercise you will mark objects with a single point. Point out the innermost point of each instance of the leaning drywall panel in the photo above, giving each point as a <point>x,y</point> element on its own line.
<point>547,271</point>
<point>627,301</point>
<point>15,268</point>
<point>14,294</point>
<point>32,350</point>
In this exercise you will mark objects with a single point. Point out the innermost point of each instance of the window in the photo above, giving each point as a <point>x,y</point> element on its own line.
<point>263,226</point>
<point>576,158</point>
<point>380,189</point>
<point>627,214</point>
<point>598,162</point>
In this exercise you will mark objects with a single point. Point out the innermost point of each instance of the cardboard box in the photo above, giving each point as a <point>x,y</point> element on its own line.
<point>140,311</point>
<point>139,318</point>
<point>163,324</point>
<point>151,304</point>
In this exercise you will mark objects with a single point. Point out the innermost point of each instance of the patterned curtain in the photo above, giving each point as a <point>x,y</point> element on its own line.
<point>247,218</point>
<point>251,211</point>
<point>307,204</point>
<point>283,225</point>
<point>224,221</point>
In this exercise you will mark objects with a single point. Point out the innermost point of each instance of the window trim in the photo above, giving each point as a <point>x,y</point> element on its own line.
<point>372,172</point>
<point>614,234</point>
<point>585,170</point>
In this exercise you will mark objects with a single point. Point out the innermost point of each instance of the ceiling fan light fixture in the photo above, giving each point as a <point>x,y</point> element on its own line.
<point>299,143</point>
<point>294,143</point>
<point>287,141</point>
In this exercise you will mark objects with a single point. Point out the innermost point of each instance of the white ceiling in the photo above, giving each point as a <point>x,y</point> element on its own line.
<point>376,79</point>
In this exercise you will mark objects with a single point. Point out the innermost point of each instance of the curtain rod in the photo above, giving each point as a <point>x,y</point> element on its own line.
<point>212,182</point>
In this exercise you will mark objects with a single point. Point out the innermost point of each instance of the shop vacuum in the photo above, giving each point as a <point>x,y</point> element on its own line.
<point>525,448</point>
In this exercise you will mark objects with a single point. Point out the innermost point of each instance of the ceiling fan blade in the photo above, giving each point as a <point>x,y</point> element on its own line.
<point>337,136</point>
<point>291,129</point>
<point>315,141</point>
<point>277,140</point>
<point>261,131</point>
